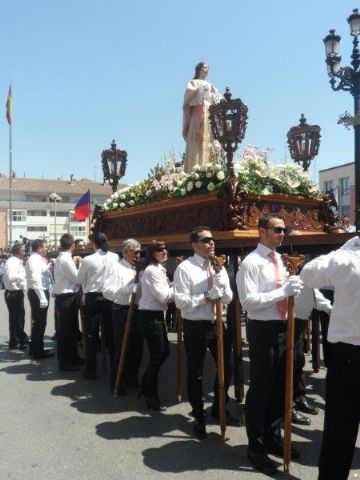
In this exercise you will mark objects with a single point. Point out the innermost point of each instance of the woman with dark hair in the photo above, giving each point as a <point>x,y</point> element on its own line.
<point>199,95</point>
<point>156,293</point>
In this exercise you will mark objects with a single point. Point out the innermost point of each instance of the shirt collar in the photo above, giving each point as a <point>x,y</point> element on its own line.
<point>264,250</point>
<point>126,263</point>
<point>201,261</point>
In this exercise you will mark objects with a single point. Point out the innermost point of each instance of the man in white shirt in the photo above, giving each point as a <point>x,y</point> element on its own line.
<point>15,285</point>
<point>97,309</point>
<point>65,275</point>
<point>263,291</point>
<point>196,287</point>
<point>307,300</point>
<point>340,270</point>
<point>118,288</point>
<point>38,281</point>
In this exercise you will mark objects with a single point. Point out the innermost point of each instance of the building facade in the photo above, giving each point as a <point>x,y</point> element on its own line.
<point>35,215</point>
<point>341,180</point>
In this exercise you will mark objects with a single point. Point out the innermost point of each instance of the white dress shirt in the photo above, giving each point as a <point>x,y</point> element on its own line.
<point>38,275</point>
<point>307,300</point>
<point>256,284</point>
<point>155,288</point>
<point>341,270</point>
<point>94,269</point>
<point>65,274</point>
<point>119,283</point>
<point>190,284</point>
<point>14,274</point>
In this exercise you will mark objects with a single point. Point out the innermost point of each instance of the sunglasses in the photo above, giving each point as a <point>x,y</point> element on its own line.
<point>278,230</point>
<point>160,249</point>
<point>206,240</point>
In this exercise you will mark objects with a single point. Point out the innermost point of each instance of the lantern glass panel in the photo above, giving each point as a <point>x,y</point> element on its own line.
<point>332,43</point>
<point>354,23</point>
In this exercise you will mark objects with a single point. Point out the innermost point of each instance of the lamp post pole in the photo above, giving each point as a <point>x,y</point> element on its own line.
<point>55,198</point>
<point>348,79</point>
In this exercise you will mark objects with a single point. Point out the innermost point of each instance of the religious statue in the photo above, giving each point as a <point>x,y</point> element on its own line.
<point>199,95</point>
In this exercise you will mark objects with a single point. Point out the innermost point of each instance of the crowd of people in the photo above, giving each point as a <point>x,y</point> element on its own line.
<point>103,286</point>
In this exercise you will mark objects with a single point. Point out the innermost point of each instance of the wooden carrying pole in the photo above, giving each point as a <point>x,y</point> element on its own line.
<point>217,263</point>
<point>292,264</point>
<point>129,319</point>
<point>179,346</point>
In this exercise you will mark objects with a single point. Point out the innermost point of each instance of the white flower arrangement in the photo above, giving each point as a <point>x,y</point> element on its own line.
<point>252,170</point>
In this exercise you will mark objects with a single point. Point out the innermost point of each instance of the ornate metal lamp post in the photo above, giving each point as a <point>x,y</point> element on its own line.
<point>54,197</point>
<point>228,120</point>
<point>348,79</point>
<point>304,142</point>
<point>114,165</point>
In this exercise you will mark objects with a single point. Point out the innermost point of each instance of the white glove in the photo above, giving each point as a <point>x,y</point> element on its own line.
<point>218,281</point>
<point>292,286</point>
<point>215,293</point>
<point>134,288</point>
<point>43,303</point>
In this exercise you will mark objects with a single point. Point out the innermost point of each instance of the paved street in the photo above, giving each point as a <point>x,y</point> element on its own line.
<point>56,425</point>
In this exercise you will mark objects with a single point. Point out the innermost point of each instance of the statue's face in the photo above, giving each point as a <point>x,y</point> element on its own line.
<point>204,71</point>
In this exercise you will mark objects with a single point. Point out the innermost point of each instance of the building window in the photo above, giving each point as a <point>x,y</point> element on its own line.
<point>18,216</point>
<point>78,231</point>
<point>37,228</point>
<point>59,214</point>
<point>328,186</point>
<point>345,196</point>
<point>36,198</point>
<point>36,213</point>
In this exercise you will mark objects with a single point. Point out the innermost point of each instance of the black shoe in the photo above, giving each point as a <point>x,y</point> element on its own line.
<point>276,447</point>
<point>262,462</point>
<point>43,354</point>
<point>199,429</point>
<point>230,419</point>
<point>69,368</point>
<point>201,413</point>
<point>54,337</point>
<point>13,346</point>
<point>22,347</point>
<point>305,407</point>
<point>154,404</point>
<point>298,418</point>
<point>89,375</point>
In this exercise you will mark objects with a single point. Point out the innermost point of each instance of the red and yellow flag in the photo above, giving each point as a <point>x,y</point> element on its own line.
<point>9,107</point>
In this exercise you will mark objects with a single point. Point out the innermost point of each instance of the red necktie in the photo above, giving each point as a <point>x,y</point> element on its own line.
<point>210,279</point>
<point>282,304</point>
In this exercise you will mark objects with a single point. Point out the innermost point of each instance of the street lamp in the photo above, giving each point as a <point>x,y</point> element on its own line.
<point>348,79</point>
<point>114,165</point>
<point>228,120</point>
<point>304,142</point>
<point>55,198</point>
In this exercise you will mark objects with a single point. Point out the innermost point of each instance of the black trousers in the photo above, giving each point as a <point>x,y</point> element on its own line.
<point>264,405</point>
<point>151,324</point>
<point>38,322</point>
<point>67,326</point>
<point>299,381</point>
<point>199,335</point>
<point>15,303</point>
<point>135,345</point>
<point>97,311</point>
<point>342,411</point>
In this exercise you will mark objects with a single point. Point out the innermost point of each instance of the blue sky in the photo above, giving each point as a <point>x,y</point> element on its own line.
<point>87,71</point>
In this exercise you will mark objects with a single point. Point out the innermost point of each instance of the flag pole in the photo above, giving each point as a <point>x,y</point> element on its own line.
<point>10,179</point>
